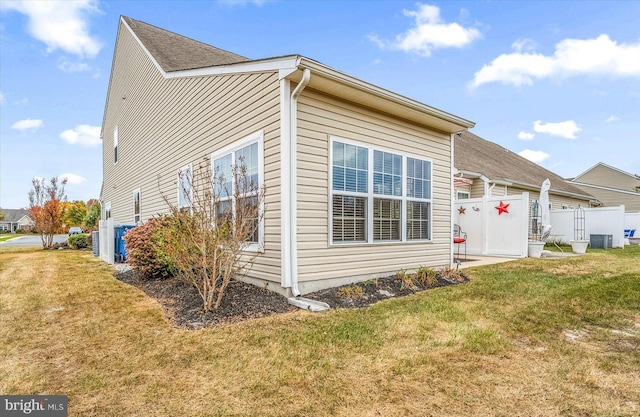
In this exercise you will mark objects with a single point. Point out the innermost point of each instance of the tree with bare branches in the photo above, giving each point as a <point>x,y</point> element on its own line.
<point>211,231</point>
<point>46,209</point>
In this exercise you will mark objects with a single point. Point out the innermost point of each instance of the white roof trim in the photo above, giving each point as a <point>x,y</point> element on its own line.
<point>601,187</point>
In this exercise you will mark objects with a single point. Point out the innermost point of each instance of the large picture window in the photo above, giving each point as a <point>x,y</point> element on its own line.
<point>244,160</point>
<point>378,195</point>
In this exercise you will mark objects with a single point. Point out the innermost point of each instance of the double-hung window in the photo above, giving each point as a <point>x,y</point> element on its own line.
<point>238,172</point>
<point>378,195</point>
<point>418,199</point>
<point>185,194</point>
<point>136,206</point>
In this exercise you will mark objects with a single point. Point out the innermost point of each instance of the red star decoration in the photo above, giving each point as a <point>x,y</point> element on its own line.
<point>502,208</point>
<point>461,210</point>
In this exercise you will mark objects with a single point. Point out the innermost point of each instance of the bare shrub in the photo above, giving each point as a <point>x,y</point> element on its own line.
<point>210,233</point>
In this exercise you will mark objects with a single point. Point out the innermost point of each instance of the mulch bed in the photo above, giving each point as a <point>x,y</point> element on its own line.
<point>183,306</point>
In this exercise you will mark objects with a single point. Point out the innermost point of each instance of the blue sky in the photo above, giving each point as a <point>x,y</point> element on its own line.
<point>555,81</point>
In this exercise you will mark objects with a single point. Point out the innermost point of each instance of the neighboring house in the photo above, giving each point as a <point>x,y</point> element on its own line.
<point>485,168</point>
<point>611,186</point>
<point>15,219</point>
<point>358,178</point>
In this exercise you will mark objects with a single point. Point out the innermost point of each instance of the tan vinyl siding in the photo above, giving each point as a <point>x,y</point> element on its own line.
<point>557,201</point>
<point>164,124</point>
<point>321,116</point>
<point>609,198</point>
<point>477,188</point>
<point>607,177</point>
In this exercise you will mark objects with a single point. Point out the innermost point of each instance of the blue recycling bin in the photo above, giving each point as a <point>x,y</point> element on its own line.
<point>120,251</point>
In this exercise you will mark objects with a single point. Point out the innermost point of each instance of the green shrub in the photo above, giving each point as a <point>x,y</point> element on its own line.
<point>78,241</point>
<point>147,249</point>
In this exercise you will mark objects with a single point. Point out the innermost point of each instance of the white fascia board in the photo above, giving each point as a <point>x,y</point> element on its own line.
<point>364,86</point>
<point>601,187</point>
<point>267,65</point>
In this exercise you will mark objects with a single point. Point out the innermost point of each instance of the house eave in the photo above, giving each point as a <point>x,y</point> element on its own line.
<point>341,85</point>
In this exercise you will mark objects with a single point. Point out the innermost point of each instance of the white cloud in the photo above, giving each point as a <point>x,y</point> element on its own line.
<point>1,98</point>
<point>521,45</point>
<point>68,66</point>
<point>526,136</point>
<point>27,124</point>
<point>572,57</point>
<point>60,24</point>
<point>83,135</point>
<point>430,32</point>
<point>72,178</point>
<point>534,156</point>
<point>566,129</point>
<point>612,119</point>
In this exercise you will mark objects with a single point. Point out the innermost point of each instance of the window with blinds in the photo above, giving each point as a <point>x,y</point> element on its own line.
<point>349,218</point>
<point>377,195</point>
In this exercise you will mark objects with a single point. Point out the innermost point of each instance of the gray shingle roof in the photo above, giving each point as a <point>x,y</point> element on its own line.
<point>13,215</point>
<point>175,52</point>
<point>474,154</point>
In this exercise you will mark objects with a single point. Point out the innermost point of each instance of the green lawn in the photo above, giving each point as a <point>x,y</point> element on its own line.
<point>532,337</point>
<point>6,237</point>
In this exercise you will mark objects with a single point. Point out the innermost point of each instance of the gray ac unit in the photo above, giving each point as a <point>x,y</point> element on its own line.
<point>601,241</point>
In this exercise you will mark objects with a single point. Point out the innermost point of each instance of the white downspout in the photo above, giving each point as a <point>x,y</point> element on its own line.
<point>293,165</point>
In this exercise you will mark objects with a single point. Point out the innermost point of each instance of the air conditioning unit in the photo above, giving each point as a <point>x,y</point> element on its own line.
<point>601,241</point>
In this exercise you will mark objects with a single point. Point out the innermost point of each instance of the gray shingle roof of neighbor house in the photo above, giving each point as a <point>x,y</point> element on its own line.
<point>175,52</point>
<point>473,154</point>
<point>13,215</point>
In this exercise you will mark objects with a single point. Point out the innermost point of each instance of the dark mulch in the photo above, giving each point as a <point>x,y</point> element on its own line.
<point>183,306</point>
<point>377,290</point>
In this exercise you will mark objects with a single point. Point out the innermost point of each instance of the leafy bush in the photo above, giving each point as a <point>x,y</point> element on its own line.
<point>147,249</point>
<point>78,241</point>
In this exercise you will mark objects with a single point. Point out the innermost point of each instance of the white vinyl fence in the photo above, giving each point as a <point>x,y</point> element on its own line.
<point>492,231</point>
<point>598,221</point>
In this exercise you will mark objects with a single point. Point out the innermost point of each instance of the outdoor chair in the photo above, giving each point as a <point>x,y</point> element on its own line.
<point>459,238</point>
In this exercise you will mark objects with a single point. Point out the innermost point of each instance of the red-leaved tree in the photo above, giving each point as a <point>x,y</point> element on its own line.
<point>45,208</point>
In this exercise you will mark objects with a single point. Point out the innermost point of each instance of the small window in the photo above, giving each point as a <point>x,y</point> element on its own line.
<point>136,206</point>
<point>107,210</point>
<point>185,194</point>
<point>463,195</point>
<point>115,145</point>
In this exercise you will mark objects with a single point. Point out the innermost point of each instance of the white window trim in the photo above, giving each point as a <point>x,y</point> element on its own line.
<point>116,156</point>
<point>256,137</point>
<point>370,195</point>
<point>139,214</point>
<point>179,191</point>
